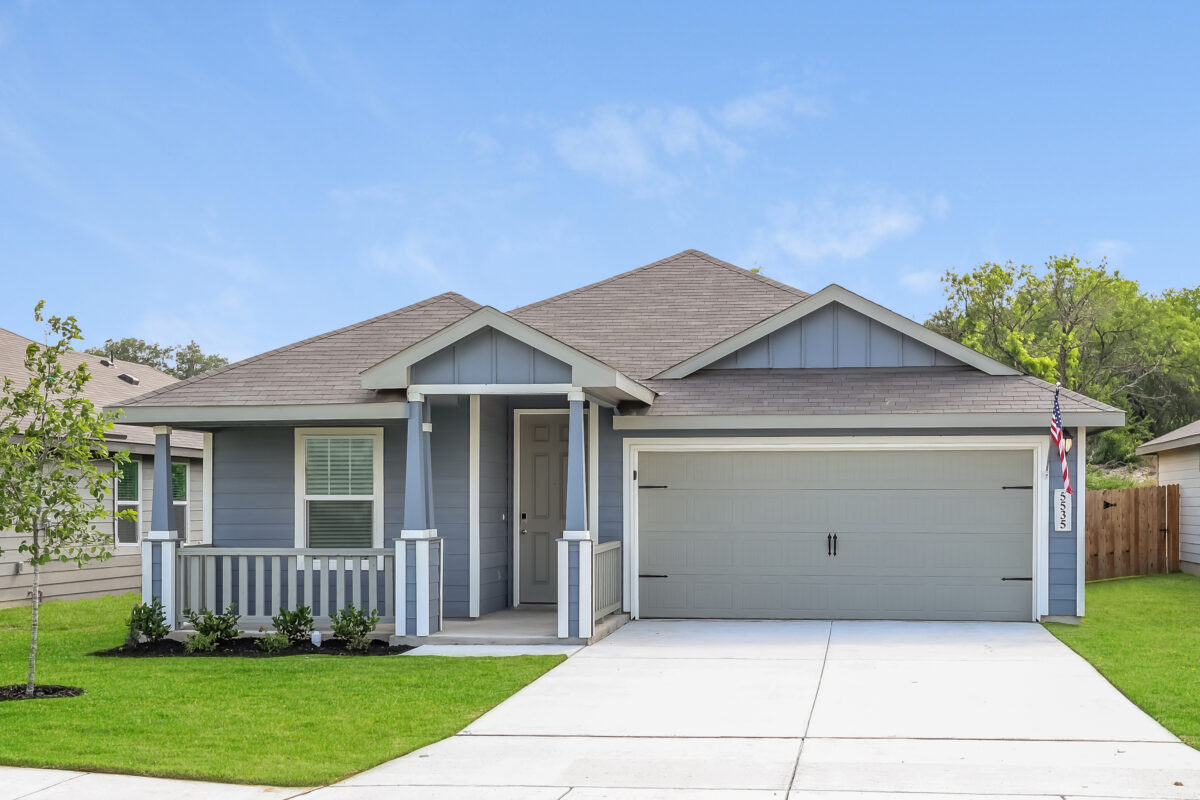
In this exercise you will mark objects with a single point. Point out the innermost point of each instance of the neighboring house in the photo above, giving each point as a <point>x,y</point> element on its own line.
<point>1179,462</point>
<point>688,439</point>
<point>111,383</point>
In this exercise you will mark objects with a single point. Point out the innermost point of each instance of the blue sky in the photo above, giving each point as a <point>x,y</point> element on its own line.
<point>249,174</point>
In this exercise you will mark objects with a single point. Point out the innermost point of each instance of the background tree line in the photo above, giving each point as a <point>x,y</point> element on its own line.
<point>179,360</point>
<point>1094,331</point>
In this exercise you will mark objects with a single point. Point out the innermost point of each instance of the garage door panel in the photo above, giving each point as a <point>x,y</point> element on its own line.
<point>735,540</point>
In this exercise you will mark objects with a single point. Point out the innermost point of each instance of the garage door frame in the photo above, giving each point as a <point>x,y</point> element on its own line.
<point>1037,447</point>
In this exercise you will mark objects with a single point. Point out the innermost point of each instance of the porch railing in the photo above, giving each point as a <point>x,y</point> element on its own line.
<point>606,579</point>
<point>263,581</point>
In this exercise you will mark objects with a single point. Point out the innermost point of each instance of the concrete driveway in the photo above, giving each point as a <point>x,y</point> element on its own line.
<point>842,710</point>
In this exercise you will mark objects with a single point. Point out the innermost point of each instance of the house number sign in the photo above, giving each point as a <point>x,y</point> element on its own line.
<point>1062,510</point>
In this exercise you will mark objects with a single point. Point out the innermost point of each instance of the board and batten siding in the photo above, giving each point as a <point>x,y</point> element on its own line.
<point>451,418</point>
<point>489,356</point>
<point>1182,466</point>
<point>495,533</point>
<point>835,336</point>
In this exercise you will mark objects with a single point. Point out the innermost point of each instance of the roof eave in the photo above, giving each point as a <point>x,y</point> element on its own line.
<point>1093,420</point>
<point>215,416</point>
<point>1155,446</point>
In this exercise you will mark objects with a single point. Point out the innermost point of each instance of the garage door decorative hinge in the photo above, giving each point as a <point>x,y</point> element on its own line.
<point>654,486</point>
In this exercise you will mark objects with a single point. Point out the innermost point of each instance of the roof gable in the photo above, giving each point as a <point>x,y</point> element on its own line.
<point>874,336</point>
<point>1187,436</point>
<point>647,319</point>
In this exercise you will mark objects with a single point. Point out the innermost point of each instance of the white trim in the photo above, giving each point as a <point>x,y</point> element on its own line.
<point>575,396</point>
<point>586,610</point>
<point>1038,446</point>
<point>206,500</point>
<point>493,388</point>
<point>147,570</point>
<point>422,585</point>
<point>123,505</point>
<point>976,420</point>
<point>837,294</point>
<point>182,416</point>
<point>518,413</point>
<point>1170,444</point>
<point>168,580</point>
<point>427,427</point>
<point>162,430</point>
<point>473,510</point>
<point>186,502</point>
<point>413,535</point>
<point>564,589</point>
<point>593,470</point>
<point>401,579</point>
<point>577,536</point>
<point>301,519</point>
<point>1081,520</point>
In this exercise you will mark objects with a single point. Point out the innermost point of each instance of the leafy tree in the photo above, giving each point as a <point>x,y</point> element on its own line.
<point>180,360</point>
<point>52,485</point>
<point>1092,330</point>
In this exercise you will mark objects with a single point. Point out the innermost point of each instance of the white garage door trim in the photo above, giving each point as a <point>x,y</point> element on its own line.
<point>1037,446</point>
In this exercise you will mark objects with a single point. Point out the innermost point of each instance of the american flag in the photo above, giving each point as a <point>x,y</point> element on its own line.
<point>1056,433</point>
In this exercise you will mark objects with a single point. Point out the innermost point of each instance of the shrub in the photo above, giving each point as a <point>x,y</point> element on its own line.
<point>221,628</point>
<point>200,643</point>
<point>353,626</point>
<point>148,620</point>
<point>295,625</point>
<point>273,643</point>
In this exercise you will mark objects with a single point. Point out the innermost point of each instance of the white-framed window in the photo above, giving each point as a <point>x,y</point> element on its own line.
<point>129,497</point>
<point>339,487</point>
<point>180,500</point>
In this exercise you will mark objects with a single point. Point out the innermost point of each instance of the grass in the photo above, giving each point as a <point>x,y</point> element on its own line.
<point>292,721</point>
<point>1143,634</point>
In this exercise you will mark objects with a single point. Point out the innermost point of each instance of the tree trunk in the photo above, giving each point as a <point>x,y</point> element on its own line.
<point>33,627</point>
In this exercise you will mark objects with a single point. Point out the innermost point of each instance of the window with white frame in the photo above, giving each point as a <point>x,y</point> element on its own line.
<point>129,498</point>
<point>180,516</point>
<point>340,474</point>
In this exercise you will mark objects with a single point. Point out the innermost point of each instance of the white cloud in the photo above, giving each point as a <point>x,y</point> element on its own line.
<point>842,224</point>
<point>641,150</point>
<point>481,143</point>
<point>921,281</point>
<point>408,257</point>
<point>1111,249</point>
<point>769,110</point>
<point>379,193</point>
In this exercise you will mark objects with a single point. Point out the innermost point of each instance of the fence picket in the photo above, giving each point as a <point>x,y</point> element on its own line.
<point>1132,532</point>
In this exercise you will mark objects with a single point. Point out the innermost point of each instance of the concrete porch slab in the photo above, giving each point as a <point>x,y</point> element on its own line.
<point>628,763</point>
<point>484,650</point>
<point>1051,699</point>
<point>660,697</point>
<point>1092,769</point>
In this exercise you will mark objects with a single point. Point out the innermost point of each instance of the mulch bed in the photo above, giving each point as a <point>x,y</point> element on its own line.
<point>245,647</point>
<point>16,691</point>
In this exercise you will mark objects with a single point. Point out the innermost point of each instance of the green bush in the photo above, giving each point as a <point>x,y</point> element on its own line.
<point>200,643</point>
<point>295,625</point>
<point>353,626</point>
<point>148,620</point>
<point>273,643</point>
<point>221,628</point>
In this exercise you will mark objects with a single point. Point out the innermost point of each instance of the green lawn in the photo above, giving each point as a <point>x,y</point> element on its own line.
<point>1143,634</point>
<point>289,721</point>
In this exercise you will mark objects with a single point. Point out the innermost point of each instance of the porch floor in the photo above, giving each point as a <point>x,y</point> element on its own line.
<point>529,624</point>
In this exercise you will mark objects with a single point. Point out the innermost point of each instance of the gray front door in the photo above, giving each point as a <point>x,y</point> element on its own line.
<point>541,512</point>
<point>836,535</point>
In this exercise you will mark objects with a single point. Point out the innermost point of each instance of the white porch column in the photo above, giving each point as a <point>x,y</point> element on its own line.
<point>159,547</point>
<point>419,549</point>
<point>575,548</point>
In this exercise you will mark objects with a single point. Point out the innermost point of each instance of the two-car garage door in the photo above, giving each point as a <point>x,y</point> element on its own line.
<point>836,534</point>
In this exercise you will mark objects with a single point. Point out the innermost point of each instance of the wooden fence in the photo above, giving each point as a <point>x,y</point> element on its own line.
<point>1132,531</point>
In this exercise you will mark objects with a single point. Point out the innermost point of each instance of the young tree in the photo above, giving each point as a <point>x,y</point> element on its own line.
<point>52,485</point>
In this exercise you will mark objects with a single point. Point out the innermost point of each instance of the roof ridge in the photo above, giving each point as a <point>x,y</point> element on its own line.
<point>457,298</point>
<point>714,261</point>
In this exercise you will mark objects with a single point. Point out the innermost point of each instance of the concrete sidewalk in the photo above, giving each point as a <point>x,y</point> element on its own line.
<point>800,710</point>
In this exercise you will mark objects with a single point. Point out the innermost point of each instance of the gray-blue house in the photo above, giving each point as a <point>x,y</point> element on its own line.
<point>688,439</point>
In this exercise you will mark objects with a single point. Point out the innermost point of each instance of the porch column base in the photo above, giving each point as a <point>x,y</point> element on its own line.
<point>158,572</point>
<point>575,585</point>
<point>418,583</point>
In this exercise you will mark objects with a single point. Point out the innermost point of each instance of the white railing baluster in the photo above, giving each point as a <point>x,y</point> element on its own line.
<point>606,579</point>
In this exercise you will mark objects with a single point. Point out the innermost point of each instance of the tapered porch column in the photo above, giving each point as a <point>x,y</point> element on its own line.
<point>159,546</point>
<point>419,549</point>
<point>575,548</point>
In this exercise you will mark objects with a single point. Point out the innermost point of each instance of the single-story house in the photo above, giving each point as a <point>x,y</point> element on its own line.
<point>112,382</point>
<point>1179,462</point>
<point>685,440</point>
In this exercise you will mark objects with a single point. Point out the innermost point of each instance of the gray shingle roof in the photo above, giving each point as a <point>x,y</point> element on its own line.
<point>856,391</point>
<point>1172,439</point>
<point>322,369</point>
<point>104,389</point>
<point>653,317</point>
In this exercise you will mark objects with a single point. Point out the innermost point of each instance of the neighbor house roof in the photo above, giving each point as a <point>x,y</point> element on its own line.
<point>1186,436</point>
<point>859,392</point>
<point>321,370</point>
<point>653,317</point>
<point>106,387</point>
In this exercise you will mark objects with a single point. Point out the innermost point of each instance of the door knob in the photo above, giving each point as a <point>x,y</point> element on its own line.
<point>524,531</point>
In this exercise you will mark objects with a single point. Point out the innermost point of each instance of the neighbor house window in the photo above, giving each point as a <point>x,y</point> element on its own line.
<point>180,516</point>
<point>129,498</point>
<point>340,476</point>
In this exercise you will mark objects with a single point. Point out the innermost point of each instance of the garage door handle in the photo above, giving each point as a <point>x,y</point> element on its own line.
<point>829,544</point>
<point>835,544</point>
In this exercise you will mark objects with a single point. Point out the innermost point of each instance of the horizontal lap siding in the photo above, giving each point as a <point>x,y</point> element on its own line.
<point>1182,467</point>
